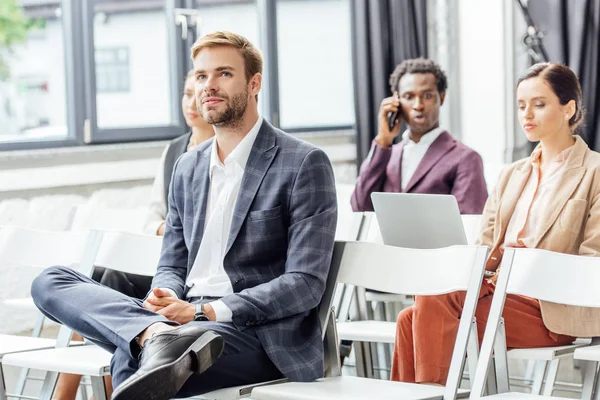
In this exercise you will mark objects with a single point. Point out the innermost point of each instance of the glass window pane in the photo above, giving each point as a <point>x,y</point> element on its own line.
<point>220,15</point>
<point>132,66</point>
<point>315,63</point>
<point>32,73</point>
<point>240,17</point>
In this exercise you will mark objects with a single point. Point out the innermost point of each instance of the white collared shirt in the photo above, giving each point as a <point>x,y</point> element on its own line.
<point>208,276</point>
<point>413,153</point>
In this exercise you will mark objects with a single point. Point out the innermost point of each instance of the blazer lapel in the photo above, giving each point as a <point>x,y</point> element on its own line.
<point>509,199</point>
<point>566,185</point>
<point>394,175</point>
<point>260,159</point>
<point>440,146</point>
<point>200,188</point>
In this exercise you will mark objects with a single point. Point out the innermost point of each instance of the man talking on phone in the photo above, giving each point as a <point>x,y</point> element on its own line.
<point>427,159</point>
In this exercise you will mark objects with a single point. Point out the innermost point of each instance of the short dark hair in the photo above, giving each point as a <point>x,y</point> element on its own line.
<point>563,82</point>
<point>419,66</point>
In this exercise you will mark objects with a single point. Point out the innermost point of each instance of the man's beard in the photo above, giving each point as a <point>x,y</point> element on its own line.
<point>231,115</point>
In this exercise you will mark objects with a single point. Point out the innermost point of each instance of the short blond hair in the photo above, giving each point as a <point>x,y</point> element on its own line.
<point>253,61</point>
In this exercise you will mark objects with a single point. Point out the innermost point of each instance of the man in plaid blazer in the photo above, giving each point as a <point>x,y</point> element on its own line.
<point>246,253</point>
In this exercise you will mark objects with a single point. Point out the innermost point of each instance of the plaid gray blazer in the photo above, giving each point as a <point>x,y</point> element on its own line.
<point>279,248</point>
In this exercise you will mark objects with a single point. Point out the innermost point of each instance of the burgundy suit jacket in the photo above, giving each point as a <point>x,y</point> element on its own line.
<point>448,167</point>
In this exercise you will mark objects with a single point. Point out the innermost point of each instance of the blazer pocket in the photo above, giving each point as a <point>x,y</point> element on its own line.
<point>572,216</point>
<point>261,215</point>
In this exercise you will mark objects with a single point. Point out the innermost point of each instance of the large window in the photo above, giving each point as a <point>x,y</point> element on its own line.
<point>32,75</point>
<point>77,72</point>
<point>133,50</point>
<point>315,63</point>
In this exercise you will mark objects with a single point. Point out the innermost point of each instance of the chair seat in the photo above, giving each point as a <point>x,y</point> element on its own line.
<point>22,303</point>
<point>367,331</point>
<point>15,344</point>
<point>350,388</point>
<point>547,353</point>
<point>88,360</point>
<point>233,393</point>
<point>589,353</point>
<point>524,396</point>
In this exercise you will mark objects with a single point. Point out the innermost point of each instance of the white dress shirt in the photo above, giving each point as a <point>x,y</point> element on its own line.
<point>413,153</point>
<point>208,276</point>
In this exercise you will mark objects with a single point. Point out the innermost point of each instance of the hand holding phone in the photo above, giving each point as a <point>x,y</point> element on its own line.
<point>394,117</point>
<point>390,115</point>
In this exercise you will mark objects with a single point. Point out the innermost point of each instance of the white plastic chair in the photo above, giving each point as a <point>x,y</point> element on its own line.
<point>540,274</point>
<point>139,254</point>
<point>330,340</point>
<point>544,362</point>
<point>28,248</point>
<point>97,216</point>
<point>126,252</point>
<point>591,356</point>
<point>391,269</point>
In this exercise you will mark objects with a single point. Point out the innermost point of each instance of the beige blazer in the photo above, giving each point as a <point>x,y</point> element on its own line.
<point>571,225</point>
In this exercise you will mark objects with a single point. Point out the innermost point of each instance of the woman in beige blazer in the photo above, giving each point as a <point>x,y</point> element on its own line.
<point>550,200</point>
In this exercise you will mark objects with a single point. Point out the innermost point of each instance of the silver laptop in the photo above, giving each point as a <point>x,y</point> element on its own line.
<point>419,221</point>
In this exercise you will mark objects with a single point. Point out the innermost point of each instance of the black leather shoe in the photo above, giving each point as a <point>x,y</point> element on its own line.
<point>167,361</point>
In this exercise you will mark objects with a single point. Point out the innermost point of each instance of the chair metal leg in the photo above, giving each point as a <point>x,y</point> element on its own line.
<point>48,386</point>
<point>551,377</point>
<point>538,377</point>
<point>501,359</point>
<point>472,352</point>
<point>589,379</point>
<point>83,389</point>
<point>98,388</point>
<point>377,348</point>
<point>491,384</point>
<point>2,384</point>
<point>24,375</point>
<point>529,370</point>
<point>359,358</point>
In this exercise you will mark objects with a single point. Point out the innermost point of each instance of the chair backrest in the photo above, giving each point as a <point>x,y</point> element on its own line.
<point>327,321</point>
<point>41,249</point>
<point>101,217</point>
<point>472,226</point>
<point>348,225</point>
<point>370,229</point>
<point>133,253</point>
<point>539,274</point>
<point>556,277</point>
<point>409,271</point>
<point>421,272</point>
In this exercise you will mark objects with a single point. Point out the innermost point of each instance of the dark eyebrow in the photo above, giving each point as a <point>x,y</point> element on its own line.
<point>219,69</point>
<point>534,98</point>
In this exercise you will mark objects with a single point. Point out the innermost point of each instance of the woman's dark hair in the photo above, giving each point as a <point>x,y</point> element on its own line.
<point>419,66</point>
<point>563,82</point>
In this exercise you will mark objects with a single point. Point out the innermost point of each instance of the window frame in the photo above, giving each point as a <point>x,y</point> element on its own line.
<point>77,19</point>
<point>93,134</point>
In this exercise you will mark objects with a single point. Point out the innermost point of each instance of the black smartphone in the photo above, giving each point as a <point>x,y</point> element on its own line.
<point>393,118</point>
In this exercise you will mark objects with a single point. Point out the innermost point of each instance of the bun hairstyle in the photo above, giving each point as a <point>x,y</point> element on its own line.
<point>565,85</point>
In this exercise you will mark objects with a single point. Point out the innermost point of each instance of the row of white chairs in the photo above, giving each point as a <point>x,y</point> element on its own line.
<point>123,251</point>
<point>364,330</point>
<point>534,273</point>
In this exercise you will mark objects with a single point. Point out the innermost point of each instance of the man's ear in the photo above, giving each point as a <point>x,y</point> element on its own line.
<point>442,97</point>
<point>255,84</point>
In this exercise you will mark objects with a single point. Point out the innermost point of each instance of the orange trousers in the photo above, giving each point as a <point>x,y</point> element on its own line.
<point>426,332</point>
